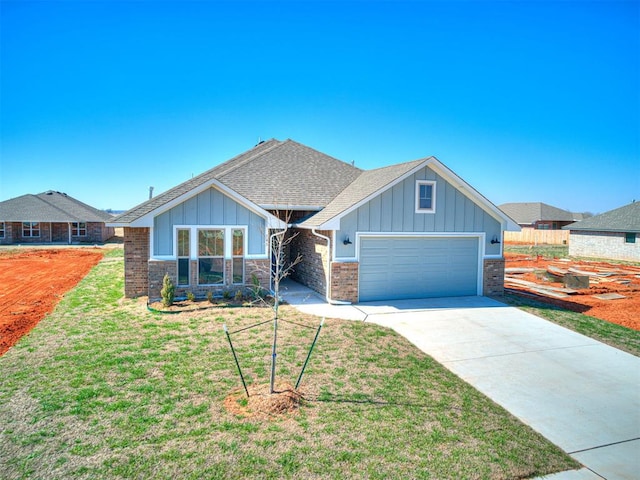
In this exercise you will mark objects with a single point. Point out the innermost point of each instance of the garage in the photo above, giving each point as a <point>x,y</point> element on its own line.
<point>403,267</point>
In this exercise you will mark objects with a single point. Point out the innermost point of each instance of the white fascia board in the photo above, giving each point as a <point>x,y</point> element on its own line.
<point>334,223</point>
<point>147,220</point>
<point>449,175</point>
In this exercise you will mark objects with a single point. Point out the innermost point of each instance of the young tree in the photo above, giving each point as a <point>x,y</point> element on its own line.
<point>282,266</point>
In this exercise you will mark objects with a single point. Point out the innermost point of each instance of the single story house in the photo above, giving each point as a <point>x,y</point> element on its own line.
<point>52,217</point>
<point>539,216</point>
<point>409,230</point>
<point>613,235</point>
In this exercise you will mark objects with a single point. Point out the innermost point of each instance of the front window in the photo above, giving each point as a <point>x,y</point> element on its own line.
<point>211,257</point>
<point>183,257</point>
<point>30,229</point>
<point>238,256</point>
<point>629,238</point>
<point>425,196</point>
<point>1,229</point>
<point>79,229</point>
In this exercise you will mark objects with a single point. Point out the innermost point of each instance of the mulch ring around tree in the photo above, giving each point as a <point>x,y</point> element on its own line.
<point>261,404</point>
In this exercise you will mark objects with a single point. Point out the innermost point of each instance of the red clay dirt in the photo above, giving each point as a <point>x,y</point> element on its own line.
<point>33,282</point>
<point>622,311</point>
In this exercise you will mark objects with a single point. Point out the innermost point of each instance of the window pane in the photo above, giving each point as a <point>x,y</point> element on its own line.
<point>426,194</point>
<point>210,243</point>
<point>238,270</point>
<point>238,243</point>
<point>183,271</point>
<point>183,243</point>
<point>630,238</point>
<point>210,271</point>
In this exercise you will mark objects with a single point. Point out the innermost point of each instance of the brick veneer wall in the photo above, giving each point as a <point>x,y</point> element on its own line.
<point>56,232</point>
<point>493,275</point>
<point>344,281</point>
<point>158,269</point>
<point>311,271</point>
<point>136,259</point>
<point>603,245</point>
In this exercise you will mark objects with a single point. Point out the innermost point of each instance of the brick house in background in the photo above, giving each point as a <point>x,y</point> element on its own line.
<point>409,230</point>
<point>52,217</point>
<point>612,235</point>
<point>539,216</point>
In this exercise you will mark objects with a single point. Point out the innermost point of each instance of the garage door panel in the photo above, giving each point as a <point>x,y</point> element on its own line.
<point>413,267</point>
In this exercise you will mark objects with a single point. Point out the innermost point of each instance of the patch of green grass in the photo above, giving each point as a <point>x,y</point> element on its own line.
<point>103,388</point>
<point>606,332</point>
<point>546,251</point>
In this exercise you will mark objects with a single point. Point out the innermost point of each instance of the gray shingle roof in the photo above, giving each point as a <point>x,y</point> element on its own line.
<point>623,219</point>
<point>368,183</point>
<point>50,206</point>
<point>527,213</point>
<point>274,172</point>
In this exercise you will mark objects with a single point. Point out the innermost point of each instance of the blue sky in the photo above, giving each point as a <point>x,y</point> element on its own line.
<point>527,101</point>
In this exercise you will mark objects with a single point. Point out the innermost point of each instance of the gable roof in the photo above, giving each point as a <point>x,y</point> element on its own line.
<point>50,206</point>
<point>373,182</point>
<point>273,174</point>
<point>276,175</point>
<point>623,219</point>
<point>528,213</point>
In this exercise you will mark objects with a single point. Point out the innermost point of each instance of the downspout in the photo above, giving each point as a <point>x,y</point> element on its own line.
<point>328,275</point>
<point>69,232</point>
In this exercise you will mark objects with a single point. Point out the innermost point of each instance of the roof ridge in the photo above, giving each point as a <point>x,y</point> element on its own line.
<point>52,205</point>
<point>249,158</point>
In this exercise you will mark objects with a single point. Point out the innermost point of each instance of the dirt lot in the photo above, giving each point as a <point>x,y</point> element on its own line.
<point>604,278</point>
<point>33,282</point>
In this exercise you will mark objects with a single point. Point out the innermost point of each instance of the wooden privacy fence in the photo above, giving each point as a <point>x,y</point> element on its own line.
<point>538,237</point>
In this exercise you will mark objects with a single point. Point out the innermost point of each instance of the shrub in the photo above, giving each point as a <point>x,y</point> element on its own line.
<point>226,295</point>
<point>210,296</point>
<point>168,291</point>
<point>190,296</point>
<point>238,296</point>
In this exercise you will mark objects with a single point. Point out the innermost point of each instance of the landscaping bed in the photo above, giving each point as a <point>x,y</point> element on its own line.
<point>33,282</point>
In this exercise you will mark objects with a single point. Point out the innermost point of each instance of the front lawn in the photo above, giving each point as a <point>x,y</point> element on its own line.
<point>104,388</point>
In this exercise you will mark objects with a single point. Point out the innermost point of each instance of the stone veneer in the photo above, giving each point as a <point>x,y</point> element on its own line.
<point>611,245</point>
<point>493,275</point>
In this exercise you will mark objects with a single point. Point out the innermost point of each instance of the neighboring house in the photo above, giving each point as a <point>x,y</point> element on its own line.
<point>539,216</point>
<point>406,231</point>
<point>52,217</point>
<point>614,235</point>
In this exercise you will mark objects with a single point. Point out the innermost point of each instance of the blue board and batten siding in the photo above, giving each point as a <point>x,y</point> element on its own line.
<point>210,207</point>
<point>393,211</point>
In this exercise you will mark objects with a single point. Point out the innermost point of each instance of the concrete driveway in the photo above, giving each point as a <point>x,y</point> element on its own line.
<point>580,394</point>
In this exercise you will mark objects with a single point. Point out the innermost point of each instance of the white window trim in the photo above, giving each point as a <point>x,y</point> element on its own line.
<point>31,235</point>
<point>419,183</point>
<point>76,226</point>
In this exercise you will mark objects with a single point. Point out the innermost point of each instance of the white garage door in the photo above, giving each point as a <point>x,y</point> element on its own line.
<point>412,267</point>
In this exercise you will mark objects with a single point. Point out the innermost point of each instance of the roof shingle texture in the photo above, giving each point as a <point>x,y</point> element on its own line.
<point>527,213</point>
<point>50,206</point>
<point>623,219</point>
<point>274,172</point>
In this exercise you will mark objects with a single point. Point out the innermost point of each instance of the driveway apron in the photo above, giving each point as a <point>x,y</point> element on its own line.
<point>579,393</point>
